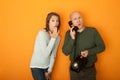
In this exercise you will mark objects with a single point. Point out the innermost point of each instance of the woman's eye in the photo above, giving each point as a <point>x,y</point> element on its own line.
<point>53,20</point>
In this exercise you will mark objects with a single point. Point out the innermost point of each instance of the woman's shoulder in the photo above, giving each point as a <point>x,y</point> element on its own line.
<point>42,32</point>
<point>58,37</point>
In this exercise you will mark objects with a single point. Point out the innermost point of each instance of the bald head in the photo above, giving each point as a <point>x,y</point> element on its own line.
<point>74,14</point>
<point>76,19</point>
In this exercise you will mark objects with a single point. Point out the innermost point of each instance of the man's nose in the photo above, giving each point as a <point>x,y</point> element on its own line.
<point>78,20</point>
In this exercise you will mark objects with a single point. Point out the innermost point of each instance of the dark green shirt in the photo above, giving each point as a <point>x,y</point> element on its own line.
<point>89,39</point>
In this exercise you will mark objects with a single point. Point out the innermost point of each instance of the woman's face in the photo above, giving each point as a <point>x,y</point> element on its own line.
<point>54,22</point>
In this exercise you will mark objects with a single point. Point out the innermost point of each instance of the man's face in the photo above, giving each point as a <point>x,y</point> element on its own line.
<point>77,19</point>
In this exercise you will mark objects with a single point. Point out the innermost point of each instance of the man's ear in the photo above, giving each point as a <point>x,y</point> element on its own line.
<point>70,23</point>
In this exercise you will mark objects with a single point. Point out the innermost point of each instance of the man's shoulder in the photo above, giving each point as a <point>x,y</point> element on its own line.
<point>91,28</point>
<point>68,31</point>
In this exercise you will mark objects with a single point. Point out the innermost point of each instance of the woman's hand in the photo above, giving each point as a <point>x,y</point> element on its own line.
<point>47,75</point>
<point>54,33</point>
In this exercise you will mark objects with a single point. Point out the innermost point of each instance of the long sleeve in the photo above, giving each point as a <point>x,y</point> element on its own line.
<point>89,39</point>
<point>53,54</point>
<point>42,50</point>
<point>43,46</point>
<point>99,44</point>
<point>68,44</point>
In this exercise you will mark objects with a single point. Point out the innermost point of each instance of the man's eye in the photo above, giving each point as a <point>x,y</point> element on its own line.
<point>74,18</point>
<point>79,18</point>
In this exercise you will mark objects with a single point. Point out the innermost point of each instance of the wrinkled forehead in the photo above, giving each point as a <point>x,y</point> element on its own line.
<point>75,14</point>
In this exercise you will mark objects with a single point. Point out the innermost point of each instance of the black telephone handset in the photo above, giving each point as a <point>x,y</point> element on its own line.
<point>70,23</point>
<point>75,27</point>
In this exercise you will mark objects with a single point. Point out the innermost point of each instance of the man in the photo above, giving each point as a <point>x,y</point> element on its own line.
<point>88,44</point>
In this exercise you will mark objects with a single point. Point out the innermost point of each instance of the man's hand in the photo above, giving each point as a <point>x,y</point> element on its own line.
<point>72,33</point>
<point>84,53</point>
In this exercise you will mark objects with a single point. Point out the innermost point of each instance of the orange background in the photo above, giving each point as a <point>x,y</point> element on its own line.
<point>20,21</point>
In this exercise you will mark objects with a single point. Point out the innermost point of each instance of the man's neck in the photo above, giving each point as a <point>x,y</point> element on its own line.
<point>81,29</point>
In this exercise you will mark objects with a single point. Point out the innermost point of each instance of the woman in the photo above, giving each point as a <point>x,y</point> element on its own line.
<point>45,48</point>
